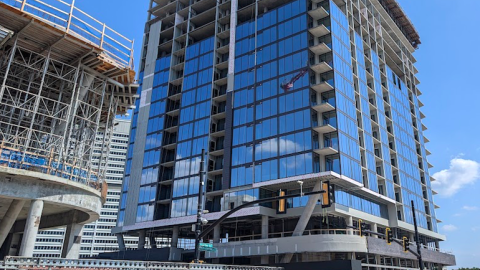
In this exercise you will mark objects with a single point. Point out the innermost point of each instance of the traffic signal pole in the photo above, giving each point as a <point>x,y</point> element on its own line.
<point>417,238</point>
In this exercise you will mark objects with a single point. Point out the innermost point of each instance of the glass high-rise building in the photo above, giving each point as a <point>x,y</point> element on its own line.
<point>279,92</point>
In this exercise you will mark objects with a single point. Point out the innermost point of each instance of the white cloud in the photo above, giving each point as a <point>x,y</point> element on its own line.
<point>449,228</point>
<point>470,208</point>
<point>462,172</point>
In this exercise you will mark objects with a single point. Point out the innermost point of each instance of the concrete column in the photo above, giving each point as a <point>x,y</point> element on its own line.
<point>31,228</point>
<point>121,242</point>
<point>153,242</point>
<point>264,227</point>
<point>10,218</point>
<point>375,229</point>
<point>412,237</point>
<point>377,261</point>
<point>349,223</point>
<point>216,239</point>
<point>216,234</point>
<point>141,239</point>
<point>72,241</point>
<point>264,259</point>
<point>174,241</point>
<point>437,244</point>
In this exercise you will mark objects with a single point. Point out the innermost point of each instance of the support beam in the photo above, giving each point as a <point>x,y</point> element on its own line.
<point>153,242</point>
<point>141,240</point>
<point>121,242</point>
<point>305,217</point>
<point>375,229</point>
<point>216,234</point>
<point>350,225</point>
<point>9,219</point>
<point>72,241</point>
<point>174,241</point>
<point>31,228</point>
<point>264,259</point>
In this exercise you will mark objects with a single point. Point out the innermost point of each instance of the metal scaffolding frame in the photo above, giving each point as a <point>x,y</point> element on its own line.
<point>59,88</point>
<point>50,113</point>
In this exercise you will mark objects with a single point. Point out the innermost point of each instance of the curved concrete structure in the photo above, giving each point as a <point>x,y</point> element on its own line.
<point>58,194</point>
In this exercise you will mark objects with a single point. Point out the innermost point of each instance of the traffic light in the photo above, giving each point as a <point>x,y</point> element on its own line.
<point>362,227</point>
<point>389,235</point>
<point>406,244</point>
<point>328,195</point>
<point>282,204</point>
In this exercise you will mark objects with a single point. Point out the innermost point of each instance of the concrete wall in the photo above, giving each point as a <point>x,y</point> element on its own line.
<point>298,244</point>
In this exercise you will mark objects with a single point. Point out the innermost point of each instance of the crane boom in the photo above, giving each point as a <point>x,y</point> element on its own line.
<point>289,85</point>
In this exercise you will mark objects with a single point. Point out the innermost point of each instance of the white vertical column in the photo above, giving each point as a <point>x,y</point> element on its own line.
<point>31,228</point>
<point>375,229</point>
<point>350,224</point>
<point>9,219</point>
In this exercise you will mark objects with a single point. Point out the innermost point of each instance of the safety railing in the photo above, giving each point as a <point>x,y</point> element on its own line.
<point>74,21</point>
<point>41,263</point>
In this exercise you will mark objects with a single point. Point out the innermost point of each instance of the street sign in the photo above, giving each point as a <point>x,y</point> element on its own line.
<point>207,247</point>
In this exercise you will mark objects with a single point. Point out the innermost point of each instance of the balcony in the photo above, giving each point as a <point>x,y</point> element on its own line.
<point>325,151</point>
<point>325,105</point>
<point>215,167</point>
<point>216,147</point>
<point>218,110</point>
<point>323,86</point>
<point>220,94</point>
<point>319,30</point>
<point>321,48</point>
<point>318,13</point>
<point>218,129</point>
<point>325,127</point>
<point>322,64</point>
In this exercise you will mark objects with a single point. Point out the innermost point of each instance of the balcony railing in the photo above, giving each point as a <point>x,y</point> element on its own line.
<point>73,21</point>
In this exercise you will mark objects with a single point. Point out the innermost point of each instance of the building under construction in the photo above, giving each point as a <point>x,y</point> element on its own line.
<point>64,76</point>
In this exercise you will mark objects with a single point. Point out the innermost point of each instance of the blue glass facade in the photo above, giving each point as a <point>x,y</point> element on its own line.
<point>272,136</point>
<point>306,94</point>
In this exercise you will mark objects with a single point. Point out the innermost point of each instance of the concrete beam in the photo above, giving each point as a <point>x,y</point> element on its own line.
<point>72,241</point>
<point>31,228</point>
<point>9,219</point>
<point>121,242</point>
<point>53,221</point>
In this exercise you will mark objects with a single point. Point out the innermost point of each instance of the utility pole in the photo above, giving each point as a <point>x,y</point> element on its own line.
<point>417,239</point>
<point>198,226</point>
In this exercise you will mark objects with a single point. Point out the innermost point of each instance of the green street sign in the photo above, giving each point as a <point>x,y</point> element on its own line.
<point>207,247</point>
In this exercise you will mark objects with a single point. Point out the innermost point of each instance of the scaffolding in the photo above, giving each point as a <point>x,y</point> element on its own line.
<point>62,80</point>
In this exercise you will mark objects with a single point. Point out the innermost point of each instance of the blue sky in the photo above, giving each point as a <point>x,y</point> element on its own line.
<point>447,61</point>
